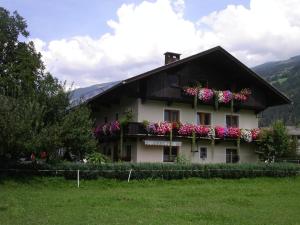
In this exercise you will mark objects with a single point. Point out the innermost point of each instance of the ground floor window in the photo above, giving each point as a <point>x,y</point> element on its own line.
<point>170,156</point>
<point>127,153</point>
<point>231,155</point>
<point>203,153</point>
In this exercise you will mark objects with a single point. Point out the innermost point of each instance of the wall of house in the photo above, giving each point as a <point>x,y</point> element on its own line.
<point>215,154</point>
<point>149,153</point>
<point>153,111</point>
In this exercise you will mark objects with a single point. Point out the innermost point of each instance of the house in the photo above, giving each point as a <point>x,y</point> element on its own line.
<point>204,108</point>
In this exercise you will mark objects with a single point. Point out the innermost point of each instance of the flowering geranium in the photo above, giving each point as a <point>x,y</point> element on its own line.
<point>186,129</point>
<point>160,128</point>
<point>243,95</point>
<point>224,96</point>
<point>240,97</point>
<point>221,132</point>
<point>192,91</point>
<point>233,132</point>
<point>114,127</point>
<point>255,133</point>
<point>107,128</point>
<point>201,131</point>
<point>246,135</point>
<point>205,94</point>
<point>246,92</point>
<point>151,128</point>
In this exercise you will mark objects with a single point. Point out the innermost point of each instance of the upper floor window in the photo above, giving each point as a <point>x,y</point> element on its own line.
<point>232,121</point>
<point>203,118</point>
<point>171,115</point>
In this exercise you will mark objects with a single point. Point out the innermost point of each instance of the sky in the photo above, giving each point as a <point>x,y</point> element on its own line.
<point>96,41</point>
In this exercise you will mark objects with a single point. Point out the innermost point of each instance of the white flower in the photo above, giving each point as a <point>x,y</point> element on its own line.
<point>246,135</point>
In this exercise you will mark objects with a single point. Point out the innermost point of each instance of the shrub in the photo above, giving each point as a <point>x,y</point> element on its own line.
<point>162,171</point>
<point>97,158</point>
<point>274,142</point>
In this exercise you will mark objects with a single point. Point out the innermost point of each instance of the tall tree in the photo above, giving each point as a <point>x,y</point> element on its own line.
<point>34,112</point>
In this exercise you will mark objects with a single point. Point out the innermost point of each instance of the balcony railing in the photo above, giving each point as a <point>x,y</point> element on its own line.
<point>137,129</point>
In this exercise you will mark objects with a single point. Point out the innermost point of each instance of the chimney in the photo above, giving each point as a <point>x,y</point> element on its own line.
<point>171,57</point>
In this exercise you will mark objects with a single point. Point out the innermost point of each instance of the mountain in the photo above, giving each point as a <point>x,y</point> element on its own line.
<point>284,75</point>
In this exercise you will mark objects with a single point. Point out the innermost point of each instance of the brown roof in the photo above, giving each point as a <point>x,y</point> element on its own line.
<point>282,98</point>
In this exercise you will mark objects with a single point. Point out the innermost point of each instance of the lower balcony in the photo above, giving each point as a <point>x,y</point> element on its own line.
<point>184,131</point>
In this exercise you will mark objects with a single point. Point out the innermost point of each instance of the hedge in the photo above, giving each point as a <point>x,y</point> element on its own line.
<point>153,170</point>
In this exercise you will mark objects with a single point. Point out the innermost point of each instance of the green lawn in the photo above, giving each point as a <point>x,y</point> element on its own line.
<point>194,201</point>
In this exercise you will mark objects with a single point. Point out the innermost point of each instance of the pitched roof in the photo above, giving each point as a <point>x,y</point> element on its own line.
<point>85,94</point>
<point>110,86</point>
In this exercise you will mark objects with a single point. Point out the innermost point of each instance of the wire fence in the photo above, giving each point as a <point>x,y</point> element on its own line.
<point>296,161</point>
<point>127,174</point>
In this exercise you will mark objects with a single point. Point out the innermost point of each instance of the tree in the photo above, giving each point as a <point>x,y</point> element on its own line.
<point>274,142</point>
<point>76,132</point>
<point>35,111</point>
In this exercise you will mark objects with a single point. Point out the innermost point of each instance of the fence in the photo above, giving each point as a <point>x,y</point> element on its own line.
<point>138,174</point>
<point>295,161</point>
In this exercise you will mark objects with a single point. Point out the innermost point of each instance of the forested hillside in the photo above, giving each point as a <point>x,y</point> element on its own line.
<point>284,75</point>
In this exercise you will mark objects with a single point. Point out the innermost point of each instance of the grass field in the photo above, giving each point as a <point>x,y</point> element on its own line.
<point>194,201</point>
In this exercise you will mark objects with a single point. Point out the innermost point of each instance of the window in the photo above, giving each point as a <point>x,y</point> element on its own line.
<point>232,121</point>
<point>105,119</point>
<point>203,153</point>
<point>203,119</point>
<point>170,156</point>
<point>231,156</point>
<point>171,115</point>
<point>117,116</point>
<point>127,155</point>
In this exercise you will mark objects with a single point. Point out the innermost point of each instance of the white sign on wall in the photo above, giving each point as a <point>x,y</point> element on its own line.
<point>162,143</point>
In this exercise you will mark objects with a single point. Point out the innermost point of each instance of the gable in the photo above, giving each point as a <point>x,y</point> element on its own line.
<point>219,69</point>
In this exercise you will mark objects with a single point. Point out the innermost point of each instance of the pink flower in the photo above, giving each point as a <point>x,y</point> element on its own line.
<point>192,91</point>
<point>220,132</point>
<point>246,92</point>
<point>107,129</point>
<point>186,129</point>
<point>205,94</point>
<point>240,97</point>
<point>160,128</point>
<point>114,127</point>
<point>224,96</point>
<point>233,132</point>
<point>243,95</point>
<point>255,133</point>
<point>202,131</point>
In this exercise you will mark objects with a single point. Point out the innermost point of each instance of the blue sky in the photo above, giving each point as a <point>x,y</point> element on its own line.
<point>56,19</point>
<point>90,42</point>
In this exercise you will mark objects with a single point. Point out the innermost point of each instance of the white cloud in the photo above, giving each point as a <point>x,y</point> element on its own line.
<point>268,30</point>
